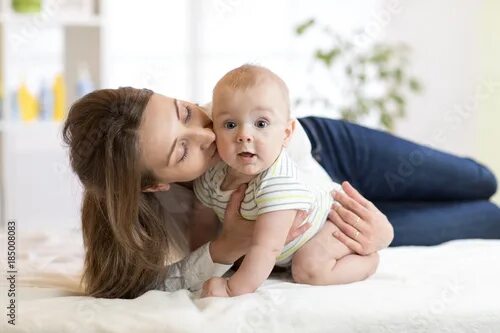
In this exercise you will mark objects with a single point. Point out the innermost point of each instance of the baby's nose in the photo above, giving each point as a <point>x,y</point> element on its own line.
<point>244,138</point>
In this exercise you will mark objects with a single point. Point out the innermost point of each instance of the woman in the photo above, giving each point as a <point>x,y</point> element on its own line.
<point>135,151</point>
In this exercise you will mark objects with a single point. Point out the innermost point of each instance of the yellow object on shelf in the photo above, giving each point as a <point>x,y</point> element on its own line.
<point>59,90</point>
<point>2,116</point>
<point>28,104</point>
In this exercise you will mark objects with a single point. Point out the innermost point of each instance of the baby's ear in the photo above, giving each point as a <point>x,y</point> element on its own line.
<point>157,188</point>
<point>290,128</point>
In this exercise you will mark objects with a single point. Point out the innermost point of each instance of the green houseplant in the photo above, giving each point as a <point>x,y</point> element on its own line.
<point>360,68</point>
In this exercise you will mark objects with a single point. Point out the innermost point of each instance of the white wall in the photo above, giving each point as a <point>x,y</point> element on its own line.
<point>489,110</point>
<point>443,36</point>
<point>449,58</point>
<point>182,48</point>
<point>146,45</point>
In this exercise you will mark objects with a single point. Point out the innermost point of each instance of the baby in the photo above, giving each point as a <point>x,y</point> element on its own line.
<point>251,120</point>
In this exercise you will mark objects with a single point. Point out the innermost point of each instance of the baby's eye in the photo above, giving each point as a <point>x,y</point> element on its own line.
<point>229,124</point>
<point>261,123</point>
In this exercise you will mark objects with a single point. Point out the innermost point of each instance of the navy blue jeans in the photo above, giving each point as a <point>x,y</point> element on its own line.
<point>429,196</point>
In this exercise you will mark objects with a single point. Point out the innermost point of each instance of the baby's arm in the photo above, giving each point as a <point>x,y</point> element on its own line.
<point>269,237</point>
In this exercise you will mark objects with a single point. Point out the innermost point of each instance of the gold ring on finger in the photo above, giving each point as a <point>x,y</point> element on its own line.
<point>356,234</point>
<point>357,222</point>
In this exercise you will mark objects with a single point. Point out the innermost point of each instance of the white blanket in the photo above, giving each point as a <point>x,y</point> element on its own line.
<point>454,287</point>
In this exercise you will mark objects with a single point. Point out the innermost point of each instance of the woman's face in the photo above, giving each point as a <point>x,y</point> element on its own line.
<point>176,140</point>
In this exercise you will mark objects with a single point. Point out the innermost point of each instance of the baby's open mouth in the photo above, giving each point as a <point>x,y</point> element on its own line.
<point>246,154</point>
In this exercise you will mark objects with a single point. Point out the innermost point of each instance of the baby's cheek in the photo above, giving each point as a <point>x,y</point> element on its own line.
<point>224,148</point>
<point>223,143</point>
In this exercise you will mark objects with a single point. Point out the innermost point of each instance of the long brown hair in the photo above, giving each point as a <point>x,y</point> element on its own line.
<point>125,232</point>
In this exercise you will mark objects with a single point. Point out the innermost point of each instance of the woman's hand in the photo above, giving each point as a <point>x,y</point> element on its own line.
<point>363,228</point>
<point>236,236</point>
<point>216,287</point>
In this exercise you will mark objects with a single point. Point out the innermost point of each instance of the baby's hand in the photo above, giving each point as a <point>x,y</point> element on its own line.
<point>216,287</point>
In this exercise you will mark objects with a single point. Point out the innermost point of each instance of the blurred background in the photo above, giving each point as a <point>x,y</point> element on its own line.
<point>423,70</point>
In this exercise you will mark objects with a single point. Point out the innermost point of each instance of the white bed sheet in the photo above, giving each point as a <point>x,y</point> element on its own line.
<point>453,287</point>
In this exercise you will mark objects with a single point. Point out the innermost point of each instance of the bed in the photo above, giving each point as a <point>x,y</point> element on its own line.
<point>453,287</point>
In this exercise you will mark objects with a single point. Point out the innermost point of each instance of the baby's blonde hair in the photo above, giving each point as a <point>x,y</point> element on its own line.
<point>247,76</point>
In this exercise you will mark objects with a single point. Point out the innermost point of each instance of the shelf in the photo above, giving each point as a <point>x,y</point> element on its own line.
<point>36,180</point>
<point>7,126</point>
<point>42,20</point>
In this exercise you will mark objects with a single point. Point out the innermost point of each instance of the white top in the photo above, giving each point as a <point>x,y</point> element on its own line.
<point>279,187</point>
<point>198,266</point>
<point>192,271</point>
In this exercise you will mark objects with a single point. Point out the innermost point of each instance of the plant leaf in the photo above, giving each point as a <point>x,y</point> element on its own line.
<point>414,85</point>
<point>301,28</point>
<point>348,70</point>
<point>387,121</point>
<point>327,57</point>
<point>398,75</point>
<point>398,99</point>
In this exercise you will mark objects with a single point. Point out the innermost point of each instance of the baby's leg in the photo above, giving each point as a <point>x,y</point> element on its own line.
<point>324,260</point>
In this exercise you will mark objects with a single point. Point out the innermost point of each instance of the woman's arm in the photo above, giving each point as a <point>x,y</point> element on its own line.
<point>357,214</point>
<point>212,258</point>
<point>193,270</point>
<point>203,227</point>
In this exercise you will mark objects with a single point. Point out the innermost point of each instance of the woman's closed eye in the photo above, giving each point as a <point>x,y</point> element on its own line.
<point>184,152</point>
<point>189,113</point>
<point>184,145</point>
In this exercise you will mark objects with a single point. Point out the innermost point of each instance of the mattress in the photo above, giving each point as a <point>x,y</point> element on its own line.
<point>452,287</point>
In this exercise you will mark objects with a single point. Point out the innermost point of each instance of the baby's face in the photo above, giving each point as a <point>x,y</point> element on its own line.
<point>251,126</point>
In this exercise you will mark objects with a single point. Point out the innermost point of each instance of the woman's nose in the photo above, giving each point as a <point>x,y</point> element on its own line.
<point>206,137</point>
